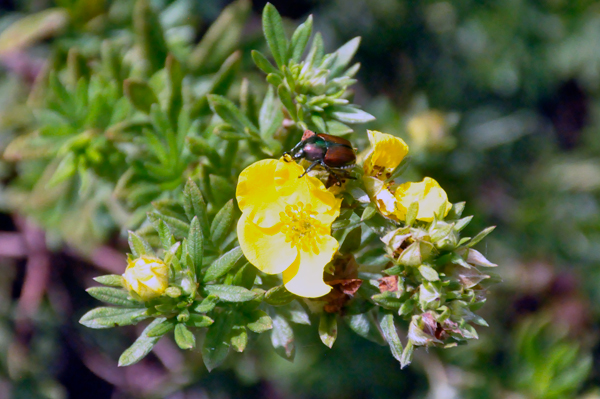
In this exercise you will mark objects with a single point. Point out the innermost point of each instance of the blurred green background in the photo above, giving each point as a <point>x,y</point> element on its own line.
<point>499,102</point>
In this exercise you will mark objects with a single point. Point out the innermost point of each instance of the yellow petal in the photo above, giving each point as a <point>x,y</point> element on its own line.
<point>265,248</point>
<point>388,152</point>
<point>257,195</point>
<point>427,193</point>
<point>308,190</point>
<point>305,276</point>
<point>146,276</point>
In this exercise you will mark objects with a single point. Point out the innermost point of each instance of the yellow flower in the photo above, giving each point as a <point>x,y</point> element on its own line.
<point>381,194</point>
<point>388,152</point>
<point>286,224</point>
<point>427,193</point>
<point>146,277</point>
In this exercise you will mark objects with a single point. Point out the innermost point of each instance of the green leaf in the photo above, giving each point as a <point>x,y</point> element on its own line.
<point>336,128</point>
<point>109,317</point>
<point>328,329</point>
<point>231,293</point>
<point>162,328</point>
<point>271,116</point>
<point>142,346</point>
<point>195,245</point>
<point>263,64</point>
<point>179,228</point>
<point>149,35</point>
<point>206,305</point>
<point>223,265</point>
<point>406,358</point>
<point>349,114</point>
<point>300,40</point>
<point>230,113</point>
<point>114,296</point>
<point>140,94</point>
<point>285,96</point>
<point>112,280</point>
<point>411,213</point>
<point>388,300</point>
<point>184,337</point>
<point>391,335</point>
<point>315,54</point>
<point>65,170</point>
<point>480,236</point>
<point>216,345</point>
<point>369,212</point>
<point>259,321</point>
<point>199,321</point>
<point>352,241</point>
<point>343,56</point>
<point>164,233</point>
<point>160,121</point>
<point>222,223</point>
<point>239,338</point>
<point>278,296</point>
<point>139,246</point>
<point>275,35</point>
<point>194,205</point>
<point>282,338</point>
<point>246,276</point>
<point>462,223</point>
<point>364,325</point>
<point>200,147</point>
<point>221,39</point>
<point>175,78</point>
<point>429,273</point>
<point>222,190</point>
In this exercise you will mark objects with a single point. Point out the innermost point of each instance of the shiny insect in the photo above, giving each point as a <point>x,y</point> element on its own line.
<point>333,153</point>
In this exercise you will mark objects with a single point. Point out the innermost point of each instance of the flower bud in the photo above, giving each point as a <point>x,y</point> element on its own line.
<point>146,277</point>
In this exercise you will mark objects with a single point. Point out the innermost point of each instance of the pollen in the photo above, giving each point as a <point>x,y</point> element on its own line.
<point>301,228</point>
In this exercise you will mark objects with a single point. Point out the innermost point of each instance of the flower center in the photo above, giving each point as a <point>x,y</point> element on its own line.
<point>301,228</point>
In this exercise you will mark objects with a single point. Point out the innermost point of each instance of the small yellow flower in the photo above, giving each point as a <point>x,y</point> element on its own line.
<point>146,277</point>
<point>380,192</point>
<point>427,193</point>
<point>286,224</point>
<point>430,129</point>
<point>388,152</point>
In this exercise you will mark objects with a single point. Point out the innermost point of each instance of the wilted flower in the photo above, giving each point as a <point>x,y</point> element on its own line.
<point>146,277</point>
<point>388,152</point>
<point>286,223</point>
<point>427,193</point>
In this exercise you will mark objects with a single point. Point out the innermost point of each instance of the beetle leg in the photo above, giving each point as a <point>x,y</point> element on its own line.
<point>312,165</point>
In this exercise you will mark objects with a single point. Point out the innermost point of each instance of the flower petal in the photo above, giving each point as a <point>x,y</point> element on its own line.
<point>308,190</point>
<point>265,248</point>
<point>257,195</point>
<point>305,276</point>
<point>388,152</point>
<point>427,193</point>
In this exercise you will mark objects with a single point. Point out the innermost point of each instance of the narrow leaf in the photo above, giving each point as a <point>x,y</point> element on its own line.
<point>260,321</point>
<point>328,329</point>
<point>282,338</point>
<point>184,337</point>
<point>142,346</point>
<point>223,265</point>
<point>231,293</point>
<point>391,335</point>
<point>112,280</point>
<point>222,223</point>
<point>109,317</point>
<point>114,296</point>
<point>274,33</point>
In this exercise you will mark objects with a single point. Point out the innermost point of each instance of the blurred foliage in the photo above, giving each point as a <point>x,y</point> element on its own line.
<point>497,99</point>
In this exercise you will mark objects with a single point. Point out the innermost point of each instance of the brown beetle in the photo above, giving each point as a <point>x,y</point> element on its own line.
<point>331,152</point>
